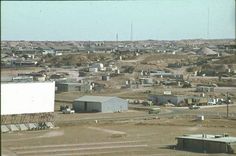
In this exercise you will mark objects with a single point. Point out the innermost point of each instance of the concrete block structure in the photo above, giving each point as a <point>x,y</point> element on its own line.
<point>177,99</point>
<point>205,89</point>
<point>31,126</point>
<point>100,104</point>
<point>22,127</point>
<point>207,143</point>
<point>13,127</point>
<point>4,129</point>
<point>68,87</point>
<point>164,99</point>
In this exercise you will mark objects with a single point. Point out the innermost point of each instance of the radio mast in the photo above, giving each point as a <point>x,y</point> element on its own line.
<point>131,32</point>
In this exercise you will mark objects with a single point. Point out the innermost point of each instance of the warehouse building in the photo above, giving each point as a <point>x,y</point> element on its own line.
<point>207,143</point>
<point>100,104</point>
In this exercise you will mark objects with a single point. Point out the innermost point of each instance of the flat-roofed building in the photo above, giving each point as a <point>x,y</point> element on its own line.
<point>207,143</point>
<point>205,88</point>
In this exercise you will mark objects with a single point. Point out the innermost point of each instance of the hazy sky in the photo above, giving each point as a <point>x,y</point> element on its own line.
<point>101,20</point>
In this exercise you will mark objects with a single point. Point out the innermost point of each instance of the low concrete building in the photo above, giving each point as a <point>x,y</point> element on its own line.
<point>100,104</point>
<point>178,100</point>
<point>48,51</point>
<point>207,143</point>
<point>146,80</point>
<point>99,66</point>
<point>36,76</point>
<point>93,69</point>
<point>68,87</point>
<point>174,65</point>
<point>86,87</point>
<point>205,88</point>
<point>164,99</point>
<point>22,79</point>
<point>25,63</point>
<point>160,73</point>
<point>75,86</point>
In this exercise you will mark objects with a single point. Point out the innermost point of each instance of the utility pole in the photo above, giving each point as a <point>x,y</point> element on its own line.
<point>227,103</point>
<point>117,37</point>
<point>131,32</point>
<point>117,44</point>
<point>208,22</point>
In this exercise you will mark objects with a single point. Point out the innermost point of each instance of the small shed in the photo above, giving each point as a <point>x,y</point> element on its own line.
<point>105,77</point>
<point>100,104</point>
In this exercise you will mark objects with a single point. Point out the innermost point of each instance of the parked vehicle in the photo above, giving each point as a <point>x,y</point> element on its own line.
<point>147,103</point>
<point>212,102</point>
<point>62,107</point>
<point>68,111</point>
<point>194,107</point>
<point>154,110</point>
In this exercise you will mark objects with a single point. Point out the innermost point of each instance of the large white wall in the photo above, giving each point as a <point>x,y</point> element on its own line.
<point>23,98</point>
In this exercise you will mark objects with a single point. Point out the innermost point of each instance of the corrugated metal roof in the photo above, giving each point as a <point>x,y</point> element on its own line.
<point>95,98</point>
<point>207,137</point>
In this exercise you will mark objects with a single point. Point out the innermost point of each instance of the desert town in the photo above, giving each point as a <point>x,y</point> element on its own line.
<point>118,97</point>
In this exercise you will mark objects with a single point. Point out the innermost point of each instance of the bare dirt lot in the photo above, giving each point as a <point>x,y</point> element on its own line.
<point>151,138</point>
<point>146,137</point>
<point>132,133</point>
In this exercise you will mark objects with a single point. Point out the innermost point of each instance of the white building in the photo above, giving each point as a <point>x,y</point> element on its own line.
<point>93,70</point>
<point>48,51</point>
<point>99,66</point>
<point>27,98</point>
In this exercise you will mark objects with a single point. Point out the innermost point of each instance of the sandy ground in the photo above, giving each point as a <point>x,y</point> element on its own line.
<point>134,138</point>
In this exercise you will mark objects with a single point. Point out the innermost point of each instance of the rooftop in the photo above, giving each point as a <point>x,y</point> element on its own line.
<point>208,137</point>
<point>95,98</point>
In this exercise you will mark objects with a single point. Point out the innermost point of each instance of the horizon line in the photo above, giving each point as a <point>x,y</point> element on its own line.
<point>121,40</point>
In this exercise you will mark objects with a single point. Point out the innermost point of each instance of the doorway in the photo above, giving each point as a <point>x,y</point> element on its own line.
<point>85,106</point>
